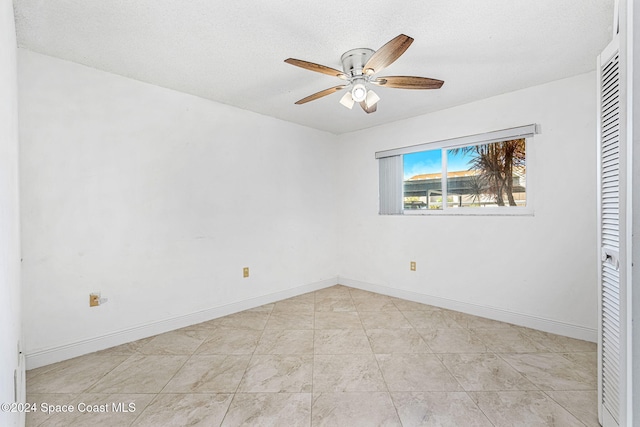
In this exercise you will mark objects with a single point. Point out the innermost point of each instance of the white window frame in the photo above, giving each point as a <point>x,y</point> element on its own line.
<point>527,132</point>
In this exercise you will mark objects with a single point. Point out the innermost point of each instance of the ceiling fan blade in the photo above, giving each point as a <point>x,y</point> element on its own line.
<point>321,94</point>
<point>369,110</point>
<point>408,82</point>
<point>316,67</point>
<point>387,54</point>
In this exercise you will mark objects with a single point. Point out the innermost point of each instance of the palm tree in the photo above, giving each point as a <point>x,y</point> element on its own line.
<point>478,188</point>
<point>497,164</point>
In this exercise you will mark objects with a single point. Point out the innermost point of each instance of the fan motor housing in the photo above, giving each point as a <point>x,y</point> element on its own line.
<point>354,60</point>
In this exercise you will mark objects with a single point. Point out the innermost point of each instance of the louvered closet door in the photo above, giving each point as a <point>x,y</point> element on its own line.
<point>610,361</point>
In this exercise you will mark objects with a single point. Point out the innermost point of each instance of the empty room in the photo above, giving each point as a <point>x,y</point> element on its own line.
<point>319,214</point>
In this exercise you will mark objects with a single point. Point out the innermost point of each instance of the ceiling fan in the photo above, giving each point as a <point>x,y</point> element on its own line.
<point>359,67</point>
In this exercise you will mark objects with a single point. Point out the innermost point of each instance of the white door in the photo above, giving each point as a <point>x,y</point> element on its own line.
<point>611,363</point>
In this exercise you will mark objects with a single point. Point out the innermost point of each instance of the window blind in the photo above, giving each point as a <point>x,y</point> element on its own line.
<point>390,169</point>
<point>481,138</point>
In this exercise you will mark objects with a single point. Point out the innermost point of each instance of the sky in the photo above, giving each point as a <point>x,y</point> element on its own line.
<point>431,162</point>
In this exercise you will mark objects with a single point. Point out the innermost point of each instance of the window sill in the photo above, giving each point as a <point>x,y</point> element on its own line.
<point>497,211</point>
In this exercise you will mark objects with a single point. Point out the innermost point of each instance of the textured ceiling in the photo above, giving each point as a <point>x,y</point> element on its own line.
<point>233,51</point>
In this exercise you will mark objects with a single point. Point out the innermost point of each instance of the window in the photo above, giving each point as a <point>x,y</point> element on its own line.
<point>422,182</point>
<point>483,174</point>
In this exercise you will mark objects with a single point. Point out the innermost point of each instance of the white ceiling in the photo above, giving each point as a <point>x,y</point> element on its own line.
<point>233,51</point>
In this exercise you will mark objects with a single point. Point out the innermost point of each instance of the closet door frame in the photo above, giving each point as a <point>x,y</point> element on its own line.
<point>620,258</point>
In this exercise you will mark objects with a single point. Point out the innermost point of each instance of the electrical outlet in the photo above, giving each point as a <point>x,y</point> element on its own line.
<point>245,272</point>
<point>94,300</point>
<point>413,266</point>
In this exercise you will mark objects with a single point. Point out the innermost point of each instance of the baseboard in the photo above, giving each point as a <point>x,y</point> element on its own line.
<point>521,319</point>
<point>68,351</point>
<point>59,353</point>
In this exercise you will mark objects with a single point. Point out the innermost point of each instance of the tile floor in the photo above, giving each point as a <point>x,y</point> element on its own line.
<point>336,357</point>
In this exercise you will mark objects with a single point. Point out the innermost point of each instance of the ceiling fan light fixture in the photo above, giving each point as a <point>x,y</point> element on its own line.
<point>371,99</point>
<point>347,100</point>
<point>359,92</point>
<point>358,69</point>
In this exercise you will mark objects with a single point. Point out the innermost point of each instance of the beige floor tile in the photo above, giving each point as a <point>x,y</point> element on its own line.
<point>452,341</point>
<point>300,304</point>
<point>285,341</point>
<point>523,408</point>
<point>346,372</point>
<point>552,371</point>
<point>269,409</point>
<point>230,341</point>
<point>558,343</point>
<point>582,404</point>
<point>384,320</point>
<point>284,320</point>
<point>384,341</point>
<point>178,410</point>
<point>102,410</point>
<point>585,360</point>
<point>268,308</point>
<point>405,305</point>
<point>278,373</point>
<point>307,308</point>
<point>436,409</point>
<point>485,372</point>
<point>435,319</point>
<point>353,409</point>
<point>209,374</point>
<point>272,364</point>
<point>75,375</point>
<point>203,327</point>
<point>371,297</point>
<point>308,297</point>
<point>341,341</point>
<point>476,322</point>
<point>87,409</point>
<point>334,304</point>
<point>125,349</point>
<point>32,373</point>
<point>337,291</point>
<point>416,372</point>
<point>374,305</point>
<point>245,320</point>
<point>176,342</point>
<point>508,340</point>
<point>140,374</point>
<point>36,415</point>
<point>337,320</point>
<point>359,293</point>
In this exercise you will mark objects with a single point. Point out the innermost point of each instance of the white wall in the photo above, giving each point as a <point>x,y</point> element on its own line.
<point>536,270</point>
<point>10,325</point>
<point>158,199</point>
